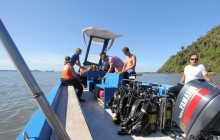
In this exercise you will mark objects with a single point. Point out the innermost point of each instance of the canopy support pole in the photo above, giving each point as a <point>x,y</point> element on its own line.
<point>27,76</point>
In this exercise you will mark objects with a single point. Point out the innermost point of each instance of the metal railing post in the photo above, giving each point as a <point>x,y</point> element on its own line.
<point>27,76</point>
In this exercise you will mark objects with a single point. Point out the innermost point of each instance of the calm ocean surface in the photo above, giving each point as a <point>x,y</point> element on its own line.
<point>17,105</point>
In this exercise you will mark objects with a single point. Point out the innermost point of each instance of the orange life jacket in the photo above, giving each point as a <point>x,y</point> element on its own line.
<point>66,72</point>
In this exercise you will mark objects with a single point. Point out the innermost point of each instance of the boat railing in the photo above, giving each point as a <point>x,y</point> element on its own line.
<point>31,83</point>
<point>65,103</point>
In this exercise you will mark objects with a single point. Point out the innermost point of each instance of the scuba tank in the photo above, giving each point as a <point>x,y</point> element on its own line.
<point>153,116</point>
<point>166,105</point>
<point>127,123</point>
<point>146,119</point>
<point>143,117</point>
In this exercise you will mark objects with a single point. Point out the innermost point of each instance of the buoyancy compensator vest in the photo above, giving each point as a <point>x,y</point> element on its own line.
<point>131,99</point>
<point>146,119</point>
<point>128,121</point>
<point>114,102</point>
<point>142,119</point>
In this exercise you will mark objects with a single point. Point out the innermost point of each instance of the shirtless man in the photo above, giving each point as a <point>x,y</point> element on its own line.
<point>130,63</point>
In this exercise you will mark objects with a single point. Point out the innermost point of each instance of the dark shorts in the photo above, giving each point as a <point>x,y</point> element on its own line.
<point>74,82</point>
<point>129,73</point>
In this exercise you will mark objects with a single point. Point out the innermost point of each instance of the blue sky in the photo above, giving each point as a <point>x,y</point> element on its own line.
<point>46,31</point>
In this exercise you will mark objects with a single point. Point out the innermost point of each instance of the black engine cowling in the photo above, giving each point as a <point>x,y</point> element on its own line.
<point>197,108</point>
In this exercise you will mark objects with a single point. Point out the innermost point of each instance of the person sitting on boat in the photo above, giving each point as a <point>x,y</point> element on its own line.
<point>113,61</point>
<point>129,64</point>
<point>69,77</point>
<point>83,77</point>
<point>192,71</point>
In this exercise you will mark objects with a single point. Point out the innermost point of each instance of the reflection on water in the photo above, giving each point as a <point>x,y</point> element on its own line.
<point>17,104</point>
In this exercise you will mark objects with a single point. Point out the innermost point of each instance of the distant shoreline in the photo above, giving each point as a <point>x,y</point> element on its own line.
<point>34,70</point>
<point>210,73</point>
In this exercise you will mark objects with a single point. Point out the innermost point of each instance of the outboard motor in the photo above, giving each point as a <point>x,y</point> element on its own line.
<point>197,109</point>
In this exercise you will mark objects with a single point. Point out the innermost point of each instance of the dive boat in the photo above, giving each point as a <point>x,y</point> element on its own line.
<point>62,116</point>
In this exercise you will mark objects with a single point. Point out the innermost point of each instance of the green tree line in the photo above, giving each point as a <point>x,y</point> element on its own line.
<point>208,49</point>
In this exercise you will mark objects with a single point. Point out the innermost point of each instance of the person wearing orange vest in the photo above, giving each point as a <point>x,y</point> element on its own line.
<point>69,77</point>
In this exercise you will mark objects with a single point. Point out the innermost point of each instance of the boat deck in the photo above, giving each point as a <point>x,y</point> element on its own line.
<point>99,121</point>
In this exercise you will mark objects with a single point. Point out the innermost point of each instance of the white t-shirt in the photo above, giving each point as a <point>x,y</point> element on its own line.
<point>194,72</point>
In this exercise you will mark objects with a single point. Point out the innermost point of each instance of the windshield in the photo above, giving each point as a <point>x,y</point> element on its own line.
<point>93,59</point>
<point>94,53</point>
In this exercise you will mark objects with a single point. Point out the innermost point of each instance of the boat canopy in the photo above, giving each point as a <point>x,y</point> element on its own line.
<point>99,35</point>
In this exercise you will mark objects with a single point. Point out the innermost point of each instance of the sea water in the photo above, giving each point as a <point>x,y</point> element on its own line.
<point>17,105</point>
<point>16,102</point>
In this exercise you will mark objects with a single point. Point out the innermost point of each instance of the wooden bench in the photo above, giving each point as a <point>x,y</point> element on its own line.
<point>112,81</point>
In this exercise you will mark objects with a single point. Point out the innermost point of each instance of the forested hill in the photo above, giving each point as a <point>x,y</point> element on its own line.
<point>208,49</point>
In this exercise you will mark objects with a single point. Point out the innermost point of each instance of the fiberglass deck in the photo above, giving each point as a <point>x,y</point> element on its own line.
<point>100,123</point>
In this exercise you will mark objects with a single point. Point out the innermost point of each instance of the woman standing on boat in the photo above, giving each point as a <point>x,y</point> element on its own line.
<point>69,77</point>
